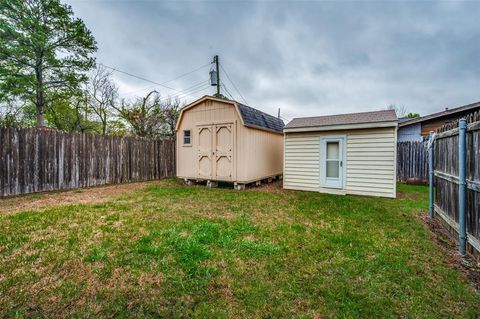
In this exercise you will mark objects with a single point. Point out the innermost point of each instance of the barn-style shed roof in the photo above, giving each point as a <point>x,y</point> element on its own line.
<point>344,121</point>
<point>250,116</point>
<point>254,117</point>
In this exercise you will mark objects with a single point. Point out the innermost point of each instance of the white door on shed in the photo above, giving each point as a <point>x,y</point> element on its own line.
<point>332,162</point>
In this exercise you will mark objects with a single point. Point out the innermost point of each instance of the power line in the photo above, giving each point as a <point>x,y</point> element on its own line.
<point>198,89</point>
<point>147,80</point>
<point>182,96</point>
<point>155,85</point>
<point>187,73</point>
<point>146,88</point>
<point>195,86</point>
<point>184,91</point>
<point>226,90</point>
<point>229,94</point>
<point>189,91</point>
<point>234,86</point>
<point>138,77</point>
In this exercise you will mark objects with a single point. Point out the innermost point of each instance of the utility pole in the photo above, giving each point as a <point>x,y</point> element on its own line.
<point>215,59</point>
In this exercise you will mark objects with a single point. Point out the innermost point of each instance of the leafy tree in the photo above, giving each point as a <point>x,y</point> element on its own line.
<point>116,126</point>
<point>142,115</point>
<point>413,115</point>
<point>73,115</point>
<point>44,52</point>
<point>149,116</point>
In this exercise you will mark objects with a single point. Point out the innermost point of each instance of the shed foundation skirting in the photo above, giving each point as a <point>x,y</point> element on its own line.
<point>239,185</point>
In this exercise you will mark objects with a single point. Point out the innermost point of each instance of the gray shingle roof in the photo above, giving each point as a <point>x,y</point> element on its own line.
<point>403,119</point>
<point>351,118</point>
<point>256,118</point>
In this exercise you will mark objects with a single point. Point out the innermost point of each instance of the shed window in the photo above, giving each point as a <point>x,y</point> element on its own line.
<point>186,137</point>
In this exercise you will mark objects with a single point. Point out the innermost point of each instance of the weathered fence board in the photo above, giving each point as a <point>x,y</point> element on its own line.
<point>35,160</point>
<point>412,161</point>
<point>446,184</point>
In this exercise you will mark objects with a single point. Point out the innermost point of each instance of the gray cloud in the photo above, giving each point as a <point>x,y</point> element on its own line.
<point>308,58</point>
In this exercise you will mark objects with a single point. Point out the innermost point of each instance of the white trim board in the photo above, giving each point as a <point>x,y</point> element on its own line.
<point>339,127</point>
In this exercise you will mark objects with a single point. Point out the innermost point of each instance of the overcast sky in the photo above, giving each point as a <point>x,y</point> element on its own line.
<point>307,58</point>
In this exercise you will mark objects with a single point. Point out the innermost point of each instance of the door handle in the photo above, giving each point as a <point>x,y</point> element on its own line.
<point>341,163</point>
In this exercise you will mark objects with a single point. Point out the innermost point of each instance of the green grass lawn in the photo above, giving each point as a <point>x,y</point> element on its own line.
<point>174,251</point>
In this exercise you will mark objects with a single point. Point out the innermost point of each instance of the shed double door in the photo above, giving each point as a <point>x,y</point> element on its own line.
<point>215,151</point>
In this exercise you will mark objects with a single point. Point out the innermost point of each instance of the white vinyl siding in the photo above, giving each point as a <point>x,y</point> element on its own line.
<point>302,158</point>
<point>370,161</point>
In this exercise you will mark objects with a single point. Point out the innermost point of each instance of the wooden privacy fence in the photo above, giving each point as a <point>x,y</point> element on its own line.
<point>36,160</point>
<point>412,161</point>
<point>455,180</point>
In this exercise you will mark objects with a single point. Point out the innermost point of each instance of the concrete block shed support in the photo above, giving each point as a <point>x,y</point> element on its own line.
<point>190,182</point>
<point>239,187</point>
<point>212,184</point>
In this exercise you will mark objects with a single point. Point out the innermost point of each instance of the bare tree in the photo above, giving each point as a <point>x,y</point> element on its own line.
<point>400,110</point>
<point>102,94</point>
<point>82,114</point>
<point>170,110</point>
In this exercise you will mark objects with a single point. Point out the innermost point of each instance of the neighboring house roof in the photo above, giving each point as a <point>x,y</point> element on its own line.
<point>446,112</point>
<point>250,116</point>
<point>354,120</point>
<point>403,119</point>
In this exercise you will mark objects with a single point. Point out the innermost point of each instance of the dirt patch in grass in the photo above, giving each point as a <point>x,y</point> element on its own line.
<point>93,195</point>
<point>468,266</point>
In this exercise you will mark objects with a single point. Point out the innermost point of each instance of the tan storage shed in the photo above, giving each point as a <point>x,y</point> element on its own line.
<point>223,140</point>
<point>342,154</point>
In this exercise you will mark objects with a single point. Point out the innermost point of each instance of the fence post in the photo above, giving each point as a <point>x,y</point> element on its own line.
<point>462,159</point>
<point>431,169</point>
